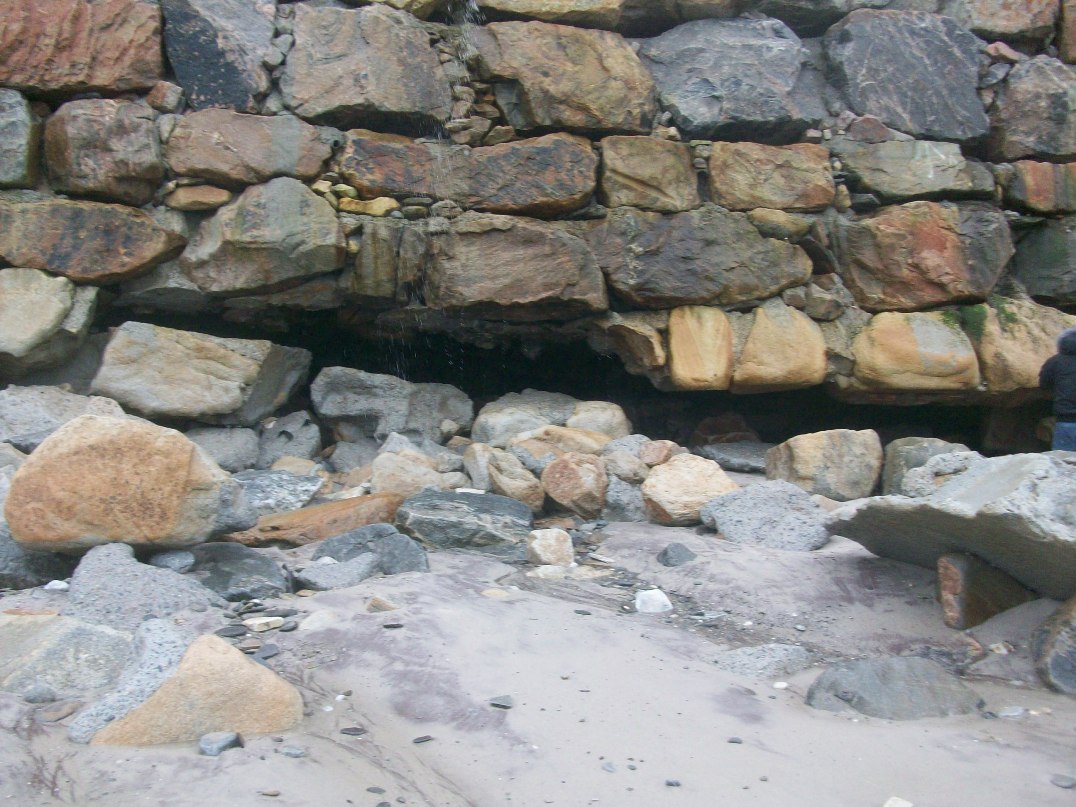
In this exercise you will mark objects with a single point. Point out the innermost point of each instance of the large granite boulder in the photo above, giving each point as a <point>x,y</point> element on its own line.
<point>1035,112</point>
<point>371,66</point>
<point>162,372</point>
<point>357,404</point>
<point>271,237</point>
<point>916,72</point>
<point>648,173</point>
<point>73,46</point>
<point>544,176</point>
<point>744,176</point>
<point>43,320</point>
<point>218,49</point>
<point>922,351</point>
<point>538,271</point>
<point>578,482</point>
<point>571,78</point>
<point>99,480</point>
<point>1016,512</point>
<point>704,256</point>
<point>88,242</point>
<point>20,146</point>
<point>675,491</point>
<point>840,464</point>
<point>922,254</point>
<point>898,170</point>
<point>102,148</point>
<point>464,520</point>
<point>733,80</point>
<point>231,149</point>
<point>1044,259</point>
<point>30,414</point>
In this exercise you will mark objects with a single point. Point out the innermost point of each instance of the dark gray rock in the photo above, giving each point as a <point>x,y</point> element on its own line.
<point>111,588</point>
<point>395,553</point>
<point>624,502</point>
<point>675,555</point>
<point>732,79</point>
<point>812,17</point>
<point>1016,512</point>
<point>775,514</point>
<point>631,444</point>
<point>20,141</point>
<point>277,491</point>
<point>1035,112</point>
<point>232,449</point>
<point>217,48</point>
<point>467,520</point>
<point>158,647</point>
<point>906,453</point>
<point>358,404</point>
<point>764,661</point>
<point>354,543</point>
<point>39,693</point>
<point>20,568</point>
<point>1044,260</point>
<point>902,688</point>
<point>179,561</point>
<point>745,457</point>
<point>293,435</point>
<point>217,742</point>
<point>237,572</point>
<point>327,576</point>
<point>916,72</point>
<point>347,456</point>
<point>1053,649</point>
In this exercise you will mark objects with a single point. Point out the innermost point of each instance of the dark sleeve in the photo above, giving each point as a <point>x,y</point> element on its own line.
<point>1046,374</point>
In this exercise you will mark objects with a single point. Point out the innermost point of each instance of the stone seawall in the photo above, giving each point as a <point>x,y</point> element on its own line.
<point>751,195</point>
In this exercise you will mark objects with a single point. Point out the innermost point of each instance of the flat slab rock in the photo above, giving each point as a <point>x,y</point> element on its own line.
<point>445,519</point>
<point>904,688</point>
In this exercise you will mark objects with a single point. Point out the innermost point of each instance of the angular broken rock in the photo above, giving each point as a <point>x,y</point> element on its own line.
<point>916,72</point>
<point>232,149</point>
<point>20,141</point>
<point>233,450</point>
<point>675,491</point>
<point>162,372</point>
<point>1053,649</point>
<point>327,76</point>
<point>210,687</point>
<point>906,453</point>
<point>602,87</point>
<point>328,576</point>
<point>1035,112</point>
<point>550,547</point>
<point>30,414</point>
<point>648,173</point>
<point>773,514</point>
<point>898,170</point>
<point>271,237</point>
<point>271,492</point>
<point>357,404</point>
<point>100,479</point>
<point>840,464</point>
<point>899,688</point>
<point>88,242</point>
<point>237,572</point>
<point>971,591</point>
<point>1015,512</point>
<point>444,519</point>
<point>577,481</point>
<point>71,46</point>
<point>744,176</point>
<point>44,320</point>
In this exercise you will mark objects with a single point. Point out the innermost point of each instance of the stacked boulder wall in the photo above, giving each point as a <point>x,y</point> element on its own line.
<point>1017,513</point>
<point>98,479</point>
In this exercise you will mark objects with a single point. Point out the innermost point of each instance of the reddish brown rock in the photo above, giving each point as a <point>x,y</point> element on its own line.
<point>104,148</point>
<point>68,46</point>
<point>571,78</point>
<point>513,268</point>
<point>744,176</point>
<point>233,149</point>
<point>198,197</point>
<point>1005,19</point>
<point>328,77</point>
<point>310,524</point>
<point>658,452</point>
<point>578,482</point>
<point>1043,187</point>
<point>923,254</point>
<point>544,176</point>
<point>703,256</point>
<point>1035,112</point>
<point>648,173</point>
<point>87,242</point>
<point>971,591</point>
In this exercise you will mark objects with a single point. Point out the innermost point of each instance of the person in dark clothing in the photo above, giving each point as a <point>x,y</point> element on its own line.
<point>1058,375</point>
